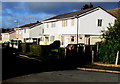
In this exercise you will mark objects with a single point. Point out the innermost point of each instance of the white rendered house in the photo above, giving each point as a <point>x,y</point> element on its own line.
<point>26,34</point>
<point>82,26</point>
<point>5,37</point>
<point>36,33</point>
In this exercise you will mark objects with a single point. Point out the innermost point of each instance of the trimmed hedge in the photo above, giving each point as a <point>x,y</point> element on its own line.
<point>35,50</point>
<point>23,47</point>
<point>108,51</point>
<point>61,53</point>
<point>52,51</point>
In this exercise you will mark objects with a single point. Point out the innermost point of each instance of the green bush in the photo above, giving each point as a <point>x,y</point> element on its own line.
<point>61,53</point>
<point>55,44</point>
<point>23,47</point>
<point>108,51</point>
<point>35,50</point>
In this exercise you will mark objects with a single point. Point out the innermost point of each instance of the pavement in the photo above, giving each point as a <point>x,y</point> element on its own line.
<point>100,68</point>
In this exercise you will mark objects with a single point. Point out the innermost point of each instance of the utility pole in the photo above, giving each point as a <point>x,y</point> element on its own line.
<point>15,21</point>
<point>117,57</point>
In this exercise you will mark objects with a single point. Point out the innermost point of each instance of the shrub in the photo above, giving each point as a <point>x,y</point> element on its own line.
<point>23,47</point>
<point>61,53</point>
<point>108,51</point>
<point>35,50</point>
<point>55,44</point>
<point>45,50</point>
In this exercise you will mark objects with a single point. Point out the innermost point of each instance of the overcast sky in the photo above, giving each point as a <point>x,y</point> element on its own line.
<point>29,12</point>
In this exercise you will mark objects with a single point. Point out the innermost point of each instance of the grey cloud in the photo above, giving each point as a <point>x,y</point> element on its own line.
<point>45,7</point>
<point>53,7</point>
<point>8,21</point>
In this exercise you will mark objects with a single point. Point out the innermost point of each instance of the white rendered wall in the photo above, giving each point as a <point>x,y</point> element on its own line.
<point>27,33</point>
<point>36,32</point>
<point>88,24</point>
<point>51,30</point>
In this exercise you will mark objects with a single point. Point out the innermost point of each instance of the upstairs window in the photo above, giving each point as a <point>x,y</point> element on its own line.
<point>64,23</point>
<point>24,30</point>
<point>47,25</point>
<point>53,25</point>
<point>42,31</point>
<point>99,22</point>
<point>72,22</point>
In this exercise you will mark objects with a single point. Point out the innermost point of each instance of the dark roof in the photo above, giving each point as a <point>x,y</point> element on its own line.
<point>70,14</point>
<point>31,25</point>
<point>76,13</point>
<point>36,24</point>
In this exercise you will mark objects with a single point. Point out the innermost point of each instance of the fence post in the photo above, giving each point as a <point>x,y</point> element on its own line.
<point>92,56</point>
<point>116,62</point>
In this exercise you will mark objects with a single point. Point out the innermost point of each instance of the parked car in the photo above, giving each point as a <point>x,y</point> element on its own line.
<point>75,53</point>
<point>5,43</point>
<point>15,41</point>
<point>75,46</point>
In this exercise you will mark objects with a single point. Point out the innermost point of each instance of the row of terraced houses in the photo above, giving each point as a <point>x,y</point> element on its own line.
<point>82,26</point>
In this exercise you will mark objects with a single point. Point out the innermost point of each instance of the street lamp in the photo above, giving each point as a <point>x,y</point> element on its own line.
<point>16,21</point>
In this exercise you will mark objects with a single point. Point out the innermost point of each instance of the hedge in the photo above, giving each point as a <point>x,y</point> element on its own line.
<point>108,51</point>
<point>35,50</point>
<point>23,47</point>
<point>52,51</point>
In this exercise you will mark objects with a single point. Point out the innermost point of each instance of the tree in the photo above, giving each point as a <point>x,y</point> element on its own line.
<point>109,47</point>
<point>87,6</point>
<point>113,32</point>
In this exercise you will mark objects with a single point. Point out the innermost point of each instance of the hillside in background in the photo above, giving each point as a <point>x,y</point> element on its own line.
<point>115,12</point>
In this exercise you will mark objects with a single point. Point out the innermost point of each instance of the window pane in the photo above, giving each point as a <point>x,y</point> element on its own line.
<point>52,38</point>
<point>99,22</point>
<point>64,23</point>
<point>46,39</point>
<point>42,31</point>
<point>72,22</point>
<point>47,25</point>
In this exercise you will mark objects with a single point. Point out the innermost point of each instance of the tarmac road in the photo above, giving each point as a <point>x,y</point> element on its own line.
<point>67,76</point>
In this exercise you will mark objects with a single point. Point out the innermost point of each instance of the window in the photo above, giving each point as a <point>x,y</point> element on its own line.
<point>46,39</point>
<point>72,22</point>
<point>42,31</point>
<point>72,38</point>
<point>64,23</point>
<point>99,22</point>
<point>24,30</point>
<point>115,21</point>
<point>42,38</point>
<point>53,25</point>
<point>47,25</point>
<point>52,38</point>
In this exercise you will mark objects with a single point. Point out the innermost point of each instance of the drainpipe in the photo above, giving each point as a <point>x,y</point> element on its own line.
<point>77,27</point>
